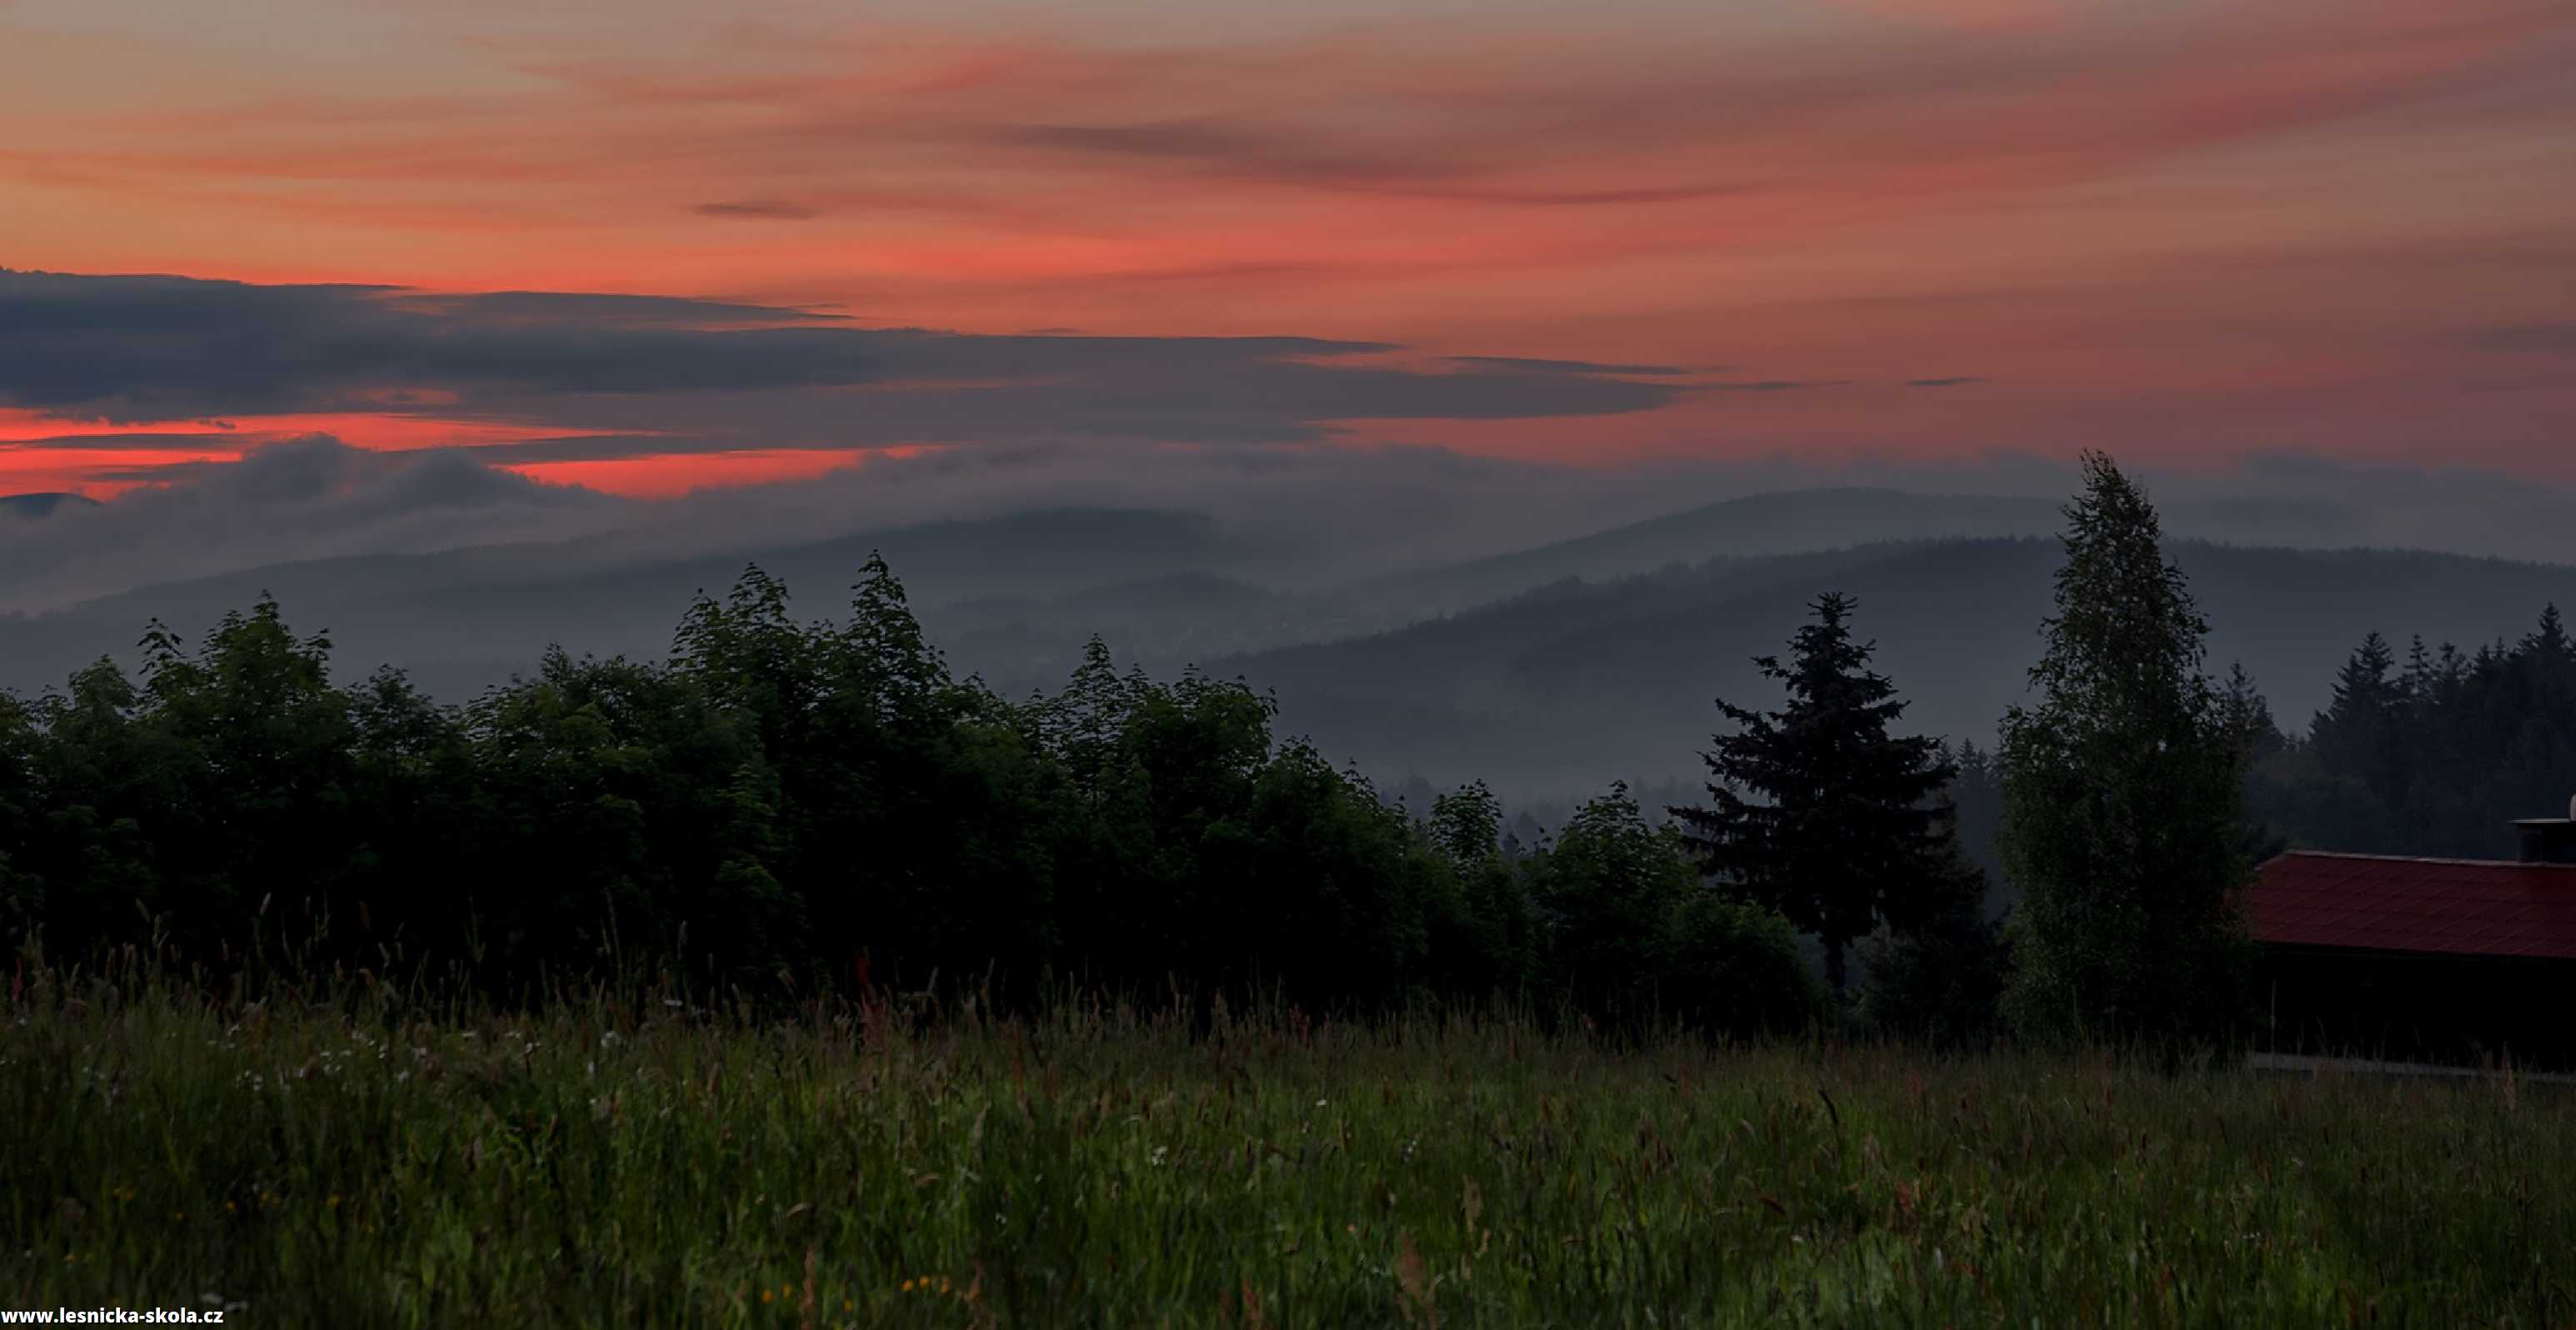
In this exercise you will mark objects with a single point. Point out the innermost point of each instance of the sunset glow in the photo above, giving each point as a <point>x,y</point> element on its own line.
<point>2195,232</point>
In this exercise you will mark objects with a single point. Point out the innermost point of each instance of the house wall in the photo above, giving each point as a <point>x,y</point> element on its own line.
<point>2401,1006</point>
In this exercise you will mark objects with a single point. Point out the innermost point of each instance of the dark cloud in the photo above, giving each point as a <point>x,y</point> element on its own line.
<point>606,310</point>
<point>299,499</point>
<point>1954,382</point>
<point>592,448</point>
<point>135,349</point>
<point>1535,365</point>
<point>123,441</point>
<point>1231,146</point>
<point>778,210</point>
<point>2528,337</point>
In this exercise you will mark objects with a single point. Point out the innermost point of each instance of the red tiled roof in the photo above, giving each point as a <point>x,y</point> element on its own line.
<point>2472,907</point>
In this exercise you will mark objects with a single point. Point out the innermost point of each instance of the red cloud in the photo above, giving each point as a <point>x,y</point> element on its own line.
<point>2156,183</point>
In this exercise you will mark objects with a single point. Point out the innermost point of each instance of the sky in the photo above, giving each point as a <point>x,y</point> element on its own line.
<point>647,247</point>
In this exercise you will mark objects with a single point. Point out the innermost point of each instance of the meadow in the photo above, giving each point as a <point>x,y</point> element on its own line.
<point>637,1158</point>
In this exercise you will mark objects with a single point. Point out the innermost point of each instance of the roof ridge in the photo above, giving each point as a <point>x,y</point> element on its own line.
<point>2413,859</point>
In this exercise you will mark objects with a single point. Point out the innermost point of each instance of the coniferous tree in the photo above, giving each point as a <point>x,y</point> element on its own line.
<point>2122,796</point>
<point>2435,760</point>
<point>1816,810</point>
<point>2359,734</point>
<point>2249,716</point>
<point>1976,796</point>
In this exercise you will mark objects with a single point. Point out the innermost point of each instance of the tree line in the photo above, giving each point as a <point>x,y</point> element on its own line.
<point>784,804</point>
<point>2433,756</point>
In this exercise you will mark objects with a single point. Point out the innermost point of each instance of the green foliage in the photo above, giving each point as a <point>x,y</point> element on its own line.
<point>618,1161</point>
<point>1606,887</point>
<point>1483,926</point>
<point>1630,933</point>
<point>1732,966</point>
<point>2122,797</point>
<point>1467,823</point>
<point>1816,810</point>
<point>2433,757</point>
<point>779,806</point>
<point>1939,979</point>
<point>20,898</point>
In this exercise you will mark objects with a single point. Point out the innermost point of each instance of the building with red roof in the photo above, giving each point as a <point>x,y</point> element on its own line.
<point>2423,959</point>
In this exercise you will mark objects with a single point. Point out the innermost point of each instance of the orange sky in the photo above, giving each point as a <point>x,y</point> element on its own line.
<point>2192,230</point>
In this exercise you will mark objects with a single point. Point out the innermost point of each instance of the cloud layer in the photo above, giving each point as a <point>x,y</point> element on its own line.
<point>593,377</point>
<point>2200,227</point>
<point>1302,517</point>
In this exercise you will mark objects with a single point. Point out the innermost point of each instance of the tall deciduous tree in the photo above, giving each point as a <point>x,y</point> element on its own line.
<point>1816,810</point>
<point>2122,797</point>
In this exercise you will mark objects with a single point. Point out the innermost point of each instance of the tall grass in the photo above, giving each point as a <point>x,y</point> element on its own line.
<point>635,1159</point>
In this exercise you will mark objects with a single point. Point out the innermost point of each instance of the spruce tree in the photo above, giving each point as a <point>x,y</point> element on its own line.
<point>2361,732</point>
<point>2122,796</point>
<point>1816,810</point>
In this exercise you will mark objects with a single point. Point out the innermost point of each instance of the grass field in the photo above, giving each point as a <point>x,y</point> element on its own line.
<point>639,1163</point>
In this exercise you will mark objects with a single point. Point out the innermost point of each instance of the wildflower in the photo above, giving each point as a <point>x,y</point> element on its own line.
<point>907,1286</point>
<point>333,1203</point>
<point>767,1297</point>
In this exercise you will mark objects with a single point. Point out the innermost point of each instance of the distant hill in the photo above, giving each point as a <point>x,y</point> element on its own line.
<point>1589,660</point>
<point>1736,529</point>
<point>41,505</point>
<point>1012,597</point>
<point>1795,521</point>
<point>1556,694</point>
<point>463,620</point>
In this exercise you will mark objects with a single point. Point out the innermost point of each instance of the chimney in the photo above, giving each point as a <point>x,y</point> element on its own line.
<point>2549,840</point>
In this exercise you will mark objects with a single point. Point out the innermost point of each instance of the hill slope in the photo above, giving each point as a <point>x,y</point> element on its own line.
<point>1557,694</point>
<point>462,620</point>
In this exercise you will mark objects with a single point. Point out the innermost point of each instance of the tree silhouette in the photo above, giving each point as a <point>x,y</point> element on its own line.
<point>1815,809</point>
<point>2122,795</point>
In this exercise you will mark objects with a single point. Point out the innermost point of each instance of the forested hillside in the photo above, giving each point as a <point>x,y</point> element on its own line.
<point>1557,691</point>
<point>2432,750</point>
<point>1548,672</point>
